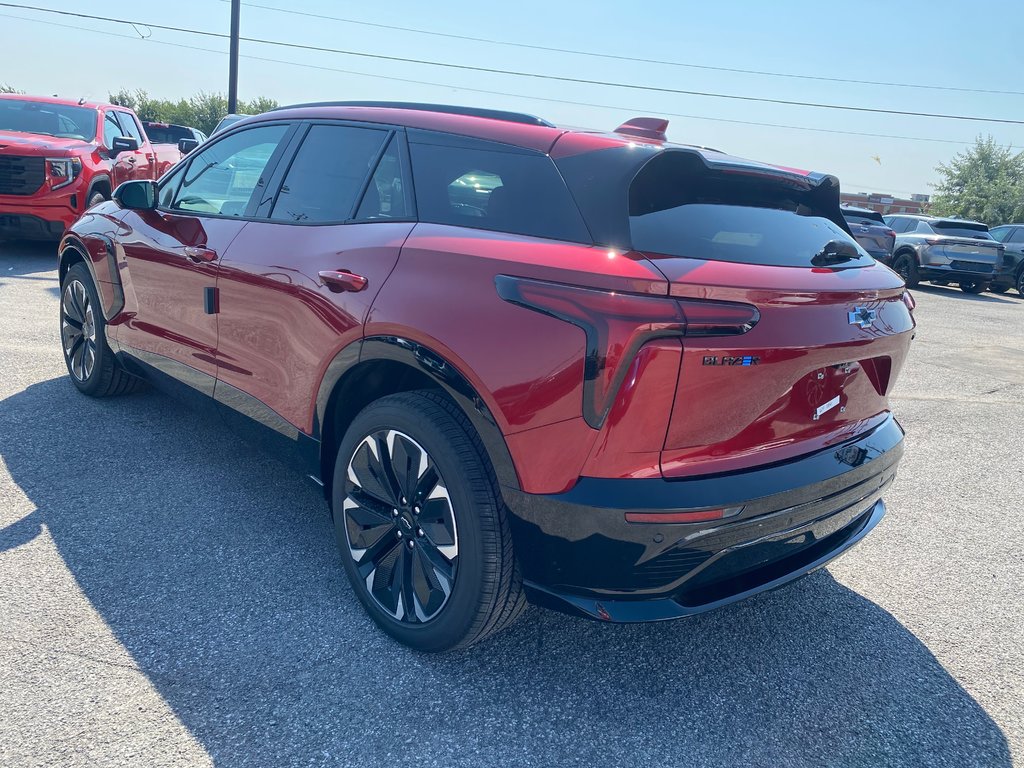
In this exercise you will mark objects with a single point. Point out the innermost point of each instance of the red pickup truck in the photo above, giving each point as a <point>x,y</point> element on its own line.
<point>58,157</point>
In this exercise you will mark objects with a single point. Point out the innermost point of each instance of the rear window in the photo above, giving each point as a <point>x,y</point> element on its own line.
<point>680,208</point>
<point>167,134</point>
<point>493,189</point>
<point>961,229</point>
<point>866,218</point>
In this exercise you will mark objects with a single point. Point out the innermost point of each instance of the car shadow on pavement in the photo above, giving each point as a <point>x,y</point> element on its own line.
<point>216,569</point>
<point>1010,297</point>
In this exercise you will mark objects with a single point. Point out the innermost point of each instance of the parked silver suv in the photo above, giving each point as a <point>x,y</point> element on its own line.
<point>944,251</point>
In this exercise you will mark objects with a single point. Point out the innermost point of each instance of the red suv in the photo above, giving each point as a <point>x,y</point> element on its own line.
<point>623,378</point>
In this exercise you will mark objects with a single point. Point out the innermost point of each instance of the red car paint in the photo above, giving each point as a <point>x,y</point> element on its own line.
<point>280,326</point>
<point>36,209</point>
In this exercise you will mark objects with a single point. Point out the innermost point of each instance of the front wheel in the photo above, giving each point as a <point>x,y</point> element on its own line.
<point>421,525</point>
<point>906,267</point>
<point>91,363</point>
<point>970,286</point>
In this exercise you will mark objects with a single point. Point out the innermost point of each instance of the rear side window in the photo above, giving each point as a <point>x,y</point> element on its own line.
<point>387,194</point>
<point>327,174</point>
<point>678,207</point>
<point>511,192</point>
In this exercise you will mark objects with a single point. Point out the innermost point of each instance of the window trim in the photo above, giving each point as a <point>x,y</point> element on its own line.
<point>178,173</point>
<point>408,192</point>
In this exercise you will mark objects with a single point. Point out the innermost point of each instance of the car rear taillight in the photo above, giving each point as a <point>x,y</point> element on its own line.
<point>618,324</point>
<point>889,233</point>
<point>908,299</point>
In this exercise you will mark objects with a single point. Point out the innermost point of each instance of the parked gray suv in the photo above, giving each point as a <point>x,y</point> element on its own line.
<point>1011,272</point>
<point>944,251</point>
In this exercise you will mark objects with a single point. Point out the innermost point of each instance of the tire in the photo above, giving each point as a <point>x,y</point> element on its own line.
<point>999,288</point>
<point>905,265</point>
<point>90,361</point>
<point>95,198</point>
<point>968,286</point>
<point>461,529</point>
<point>1020,282</point>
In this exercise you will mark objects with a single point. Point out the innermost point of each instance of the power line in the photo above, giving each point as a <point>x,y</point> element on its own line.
<point>636,59</point>
<point>449,86</point>
<point>533,75</point>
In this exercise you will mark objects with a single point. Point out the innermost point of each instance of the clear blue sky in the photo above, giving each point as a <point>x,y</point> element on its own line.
<point>977,45</point>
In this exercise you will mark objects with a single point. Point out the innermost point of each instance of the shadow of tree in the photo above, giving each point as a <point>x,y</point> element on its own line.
<point>217,571</point>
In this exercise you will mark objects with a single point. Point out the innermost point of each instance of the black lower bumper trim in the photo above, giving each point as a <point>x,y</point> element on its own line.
<point>19,226</point>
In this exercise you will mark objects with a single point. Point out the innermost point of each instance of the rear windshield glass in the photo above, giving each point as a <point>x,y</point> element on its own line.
<point>167,134</point>
<point>504,191</point>
<point>678,207</point>
<point>959,229</point>
<point>48,119</point>
<point>857,217</point>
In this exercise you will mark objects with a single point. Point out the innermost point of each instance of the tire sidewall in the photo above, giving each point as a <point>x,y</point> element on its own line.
<point>911,278</point>
<point>464,603</point>
<point>94,382</point>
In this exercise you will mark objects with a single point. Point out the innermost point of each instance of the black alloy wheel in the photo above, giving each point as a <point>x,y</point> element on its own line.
<point>906,268</point>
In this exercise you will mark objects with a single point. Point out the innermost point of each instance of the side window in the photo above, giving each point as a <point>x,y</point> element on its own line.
<point>514,192</point>
<point>1017,238</point>
<point>1002,234</point>
<point>327,174</point>
<point>387,195</point>
<point>111,130</point>
<point>130,127</point>
<point>922,228</point>
<point>221,178</point>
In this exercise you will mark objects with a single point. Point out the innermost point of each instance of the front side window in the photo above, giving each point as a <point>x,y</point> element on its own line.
<point>327,174</point>
<point>130,127</point>
<point>220,179</point>
<point>111,130</point>
<point>521,193</point>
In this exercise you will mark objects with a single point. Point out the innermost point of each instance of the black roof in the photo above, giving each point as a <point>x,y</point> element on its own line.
<point>493,114</point>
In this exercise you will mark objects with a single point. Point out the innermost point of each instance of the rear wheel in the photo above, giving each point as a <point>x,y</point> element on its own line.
<point>906,267</point>
<point>971,286</point>
<point>1020,282</point>
<point>423,531</point>
<point>91,363</point>
<point>999,288</point>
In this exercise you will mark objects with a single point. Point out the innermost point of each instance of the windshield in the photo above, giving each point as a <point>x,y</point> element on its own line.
<point>39,117</point>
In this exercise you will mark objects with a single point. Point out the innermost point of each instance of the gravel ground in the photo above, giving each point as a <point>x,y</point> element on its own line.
<point>169,596</point>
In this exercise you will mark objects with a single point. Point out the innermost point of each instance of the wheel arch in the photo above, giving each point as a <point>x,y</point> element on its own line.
<point>100,263</point>
<point>378,366</point>
<point>100,182</point>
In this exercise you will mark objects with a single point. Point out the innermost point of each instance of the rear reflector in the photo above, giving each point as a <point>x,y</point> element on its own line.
<point>908,299</point>
<point>695,516</point>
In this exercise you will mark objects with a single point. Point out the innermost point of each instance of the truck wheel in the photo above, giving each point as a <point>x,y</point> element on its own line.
<point>421,525</point>
<point>906,267</point>
<point>970,286</point>
<point>91,363</point>
<point>95,198</point>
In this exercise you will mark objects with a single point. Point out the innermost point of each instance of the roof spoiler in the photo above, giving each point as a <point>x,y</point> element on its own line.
<point>645,127</point>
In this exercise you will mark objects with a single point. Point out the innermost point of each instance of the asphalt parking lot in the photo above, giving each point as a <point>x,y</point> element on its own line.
<point>169,596</point>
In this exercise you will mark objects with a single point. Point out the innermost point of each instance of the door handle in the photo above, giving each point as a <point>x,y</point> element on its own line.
<point>339,280</point>
<point>200,255</point>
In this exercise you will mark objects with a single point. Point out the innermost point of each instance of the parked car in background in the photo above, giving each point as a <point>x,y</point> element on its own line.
<point>58,157</point>
<point>226,122</point>
<point>873,234</point>
<point>944,251</point>
<point>168,133</point>
<point>1010,273</point>
<point>468,326</point>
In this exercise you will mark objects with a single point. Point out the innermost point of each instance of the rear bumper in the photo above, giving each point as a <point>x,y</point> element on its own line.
<point>578,554</point>
<point>948,274</point>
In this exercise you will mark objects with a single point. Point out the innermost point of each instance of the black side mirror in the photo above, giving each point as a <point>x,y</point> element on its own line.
<point>187,145</point>
<point>124,144</point>
<point>137,195</point>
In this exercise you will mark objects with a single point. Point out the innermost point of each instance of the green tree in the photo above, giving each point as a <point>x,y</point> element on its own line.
<point>202,111</point>
<point>5,88</point>
<point>984,183</point>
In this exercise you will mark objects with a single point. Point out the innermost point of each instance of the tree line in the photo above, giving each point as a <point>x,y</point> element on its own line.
<point>202,111</point>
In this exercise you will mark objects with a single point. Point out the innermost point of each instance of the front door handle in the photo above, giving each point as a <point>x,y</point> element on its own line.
<point>339,280</point>
<point>199,254</point>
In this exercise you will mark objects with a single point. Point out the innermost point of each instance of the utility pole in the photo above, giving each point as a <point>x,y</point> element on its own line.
<point>236,8</point>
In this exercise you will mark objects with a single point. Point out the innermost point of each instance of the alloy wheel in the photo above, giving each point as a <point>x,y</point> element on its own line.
<point>78,330</point>
<point>400,526</point>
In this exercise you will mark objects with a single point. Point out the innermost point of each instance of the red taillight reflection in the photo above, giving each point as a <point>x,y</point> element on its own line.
<point>694,516</point>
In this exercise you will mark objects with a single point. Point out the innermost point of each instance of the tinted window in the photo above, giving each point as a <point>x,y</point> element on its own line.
<point>168,134</point>
<point>327,174</point>
<point>386,196</point>
<point>1000,233</point>
<point>858,217</point>
<point>899,225</point>
<point>920,227</point>
<point>130,127</point>
<point>493,189</point>
<point>49,119</point>
<point>221,177</point>
<point>1017,237</point>
<point>111,130</point>
<point>962,229</point>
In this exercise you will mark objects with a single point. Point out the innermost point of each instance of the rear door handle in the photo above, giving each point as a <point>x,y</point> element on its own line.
<point>339,280</point>
<point>200,255</point>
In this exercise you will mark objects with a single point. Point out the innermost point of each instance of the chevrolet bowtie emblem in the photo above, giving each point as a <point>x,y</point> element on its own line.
<point>862,316</point>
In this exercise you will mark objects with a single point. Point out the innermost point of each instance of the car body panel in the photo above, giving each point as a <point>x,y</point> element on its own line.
<point>1010,271</point>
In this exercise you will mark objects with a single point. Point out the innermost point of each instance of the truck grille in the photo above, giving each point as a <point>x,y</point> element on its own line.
<point>21,175</point>
<point>971,266</point>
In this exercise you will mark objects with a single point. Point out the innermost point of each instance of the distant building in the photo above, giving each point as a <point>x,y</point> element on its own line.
<point>885,204</point>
